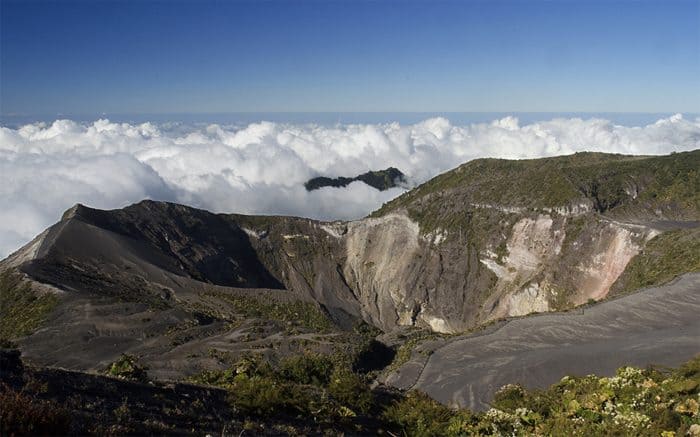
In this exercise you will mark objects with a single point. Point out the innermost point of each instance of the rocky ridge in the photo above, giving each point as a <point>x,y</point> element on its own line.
<point>381,180</point>
<point>490,239</point>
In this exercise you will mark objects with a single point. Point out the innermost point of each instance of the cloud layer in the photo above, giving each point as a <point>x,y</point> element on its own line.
<point>261,168</point>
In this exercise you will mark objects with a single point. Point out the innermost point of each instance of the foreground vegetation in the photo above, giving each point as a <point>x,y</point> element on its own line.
<point>313,394</point>
<point>22,414</point>
<point>653,401</point>
<point>635,402</point>
<point>317,387</point>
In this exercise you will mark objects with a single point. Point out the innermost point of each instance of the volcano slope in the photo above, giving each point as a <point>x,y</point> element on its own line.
<point>180,288</point>
<point>186,290</point>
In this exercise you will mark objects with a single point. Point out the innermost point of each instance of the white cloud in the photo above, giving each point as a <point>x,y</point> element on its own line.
<point>261,168</point>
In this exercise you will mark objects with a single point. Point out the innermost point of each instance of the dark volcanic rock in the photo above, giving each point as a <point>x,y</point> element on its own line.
<point>381,180</point>
<point>182,240</point>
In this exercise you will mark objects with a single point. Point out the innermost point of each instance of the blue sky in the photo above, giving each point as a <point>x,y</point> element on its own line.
<point>90,57</point>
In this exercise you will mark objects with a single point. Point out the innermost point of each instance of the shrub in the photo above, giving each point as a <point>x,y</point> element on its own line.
<point>417,414</point>
<point>253,365</point>
<point>309,368</point>
<point>21,414</point>
<point>249,365</point>
<point>127,367</point>
<point>218,378</point>
<point>349,389</point>
<point>258,395</point>
<point>509,397</point>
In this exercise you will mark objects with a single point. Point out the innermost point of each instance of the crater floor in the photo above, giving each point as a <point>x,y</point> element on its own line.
<point>659,325</point>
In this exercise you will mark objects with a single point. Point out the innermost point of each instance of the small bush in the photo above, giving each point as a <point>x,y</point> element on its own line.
<point>21,414</point>
<point>349,389</point>
<point>127,367</point>
<point>258,395</point>
<point>417,414</point>
<point>309,368</point>
<point>217,378</point>
<point>509,397</point>
<point>253,365</point>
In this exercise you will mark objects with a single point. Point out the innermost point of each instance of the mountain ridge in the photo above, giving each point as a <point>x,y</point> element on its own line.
<point>381,180</point>
<point>444,257</point>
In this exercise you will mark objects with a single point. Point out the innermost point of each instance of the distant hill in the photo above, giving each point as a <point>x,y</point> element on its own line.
<point>381,180</point>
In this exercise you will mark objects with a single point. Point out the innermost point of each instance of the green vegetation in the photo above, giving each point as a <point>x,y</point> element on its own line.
<point>417,414</point>
<point>413,339</point>
<point>653,401</point>
<point>307,369</point>
<point>574,229</point>
<point>313,393</point>
<point>612,183</point>
<point>636,402</point>
<point>21,414</point>
<point>294,313</point>
<point>127,367</point>
<point>501,252</point>
<point>664,182</point>
<point>663,258</point>
<point>350,390</point>
<point>310,385</point>
<point>22,310</point>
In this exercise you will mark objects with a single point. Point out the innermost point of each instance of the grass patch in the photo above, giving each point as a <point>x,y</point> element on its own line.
<point>405,351</point>
<point>294,313</point>
<point>611,183</point>
<point>310,386</point>
<point>22,310</point>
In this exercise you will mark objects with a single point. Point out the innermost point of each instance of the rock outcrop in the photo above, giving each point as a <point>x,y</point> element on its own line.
<point>381,180</point>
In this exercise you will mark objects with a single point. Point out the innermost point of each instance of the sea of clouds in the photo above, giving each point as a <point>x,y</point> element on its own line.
<point>260,168</point>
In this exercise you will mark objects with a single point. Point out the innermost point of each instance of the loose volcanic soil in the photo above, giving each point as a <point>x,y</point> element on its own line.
<point>659,326</point>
